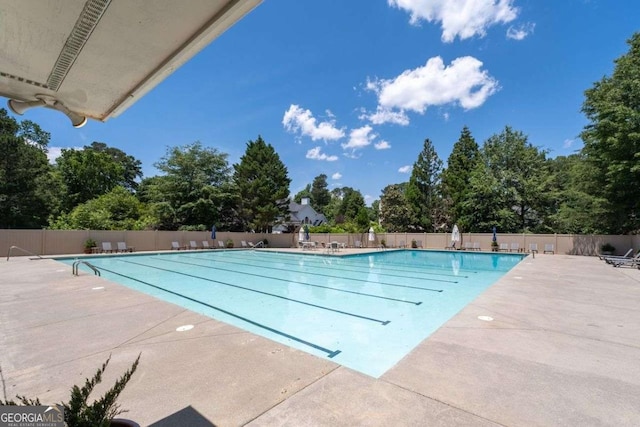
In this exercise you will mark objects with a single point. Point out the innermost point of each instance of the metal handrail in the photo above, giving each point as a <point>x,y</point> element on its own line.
<point>23,250</point>
<point>76,264</point>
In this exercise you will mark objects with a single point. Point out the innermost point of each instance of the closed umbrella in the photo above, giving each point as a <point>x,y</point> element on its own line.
<point>301,235</point>
<point>455,235</point>
<point>372,235</point>
<point>495,237</point>
<point>306,232</point>
<point>213,232</point>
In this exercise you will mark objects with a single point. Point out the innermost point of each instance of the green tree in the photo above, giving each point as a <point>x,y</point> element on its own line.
<point>305,192</point>
<point>263,186</point>
<point>320,195</point>
<point>395,210</point>
<point>457,175</point>
<point>132,167</point>
<point>508,186</point>
<point>25,200</point>
<point>612,139</point>
<point>87,174</point>
<point>194,190</point>
<point>423,189</point>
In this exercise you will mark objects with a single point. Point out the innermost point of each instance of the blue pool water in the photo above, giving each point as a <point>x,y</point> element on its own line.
<point>365,311</point>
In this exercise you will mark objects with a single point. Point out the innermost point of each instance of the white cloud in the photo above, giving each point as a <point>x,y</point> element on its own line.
<point>301,121</point>
<point>462,83</point>
<point>459,18</point>
<point>360,138</point>
<point>336,175</point>
<point>316,154</point>
<point>368,199</point>
<point>382,145</point>
<point>568,143</point>
<point>405,169</point>
<point>520,32</point>
<point>385,115</point>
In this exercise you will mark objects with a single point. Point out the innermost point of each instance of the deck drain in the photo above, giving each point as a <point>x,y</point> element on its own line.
<point>184,328</point>
<point>97,288</point>
<point>486,318</point>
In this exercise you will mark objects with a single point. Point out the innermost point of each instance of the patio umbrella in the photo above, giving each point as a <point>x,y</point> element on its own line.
<point>372,235</point>
<point>213,232</point>
<point>306,232</point>
<point>455,235</point>
<point>495,238</point>
<point>301,235</point>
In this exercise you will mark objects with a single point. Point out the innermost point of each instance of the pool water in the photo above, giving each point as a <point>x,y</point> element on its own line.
<point>364,311</point>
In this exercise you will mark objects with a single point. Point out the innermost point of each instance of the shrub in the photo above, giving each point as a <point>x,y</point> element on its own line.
<point>229,243</point>
<point>414,244</point>
<point>607,247</point>
<point>90,243</point>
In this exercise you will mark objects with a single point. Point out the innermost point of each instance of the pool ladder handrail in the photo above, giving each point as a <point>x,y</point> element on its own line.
<point>23,250</point>
<point>76,264</point>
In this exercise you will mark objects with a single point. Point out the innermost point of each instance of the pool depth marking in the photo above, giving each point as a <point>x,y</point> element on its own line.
<point>330,353</point>
<point>292,281</point>
<point>312,258</point>
<point>332,276</point>
<point>346,313</point>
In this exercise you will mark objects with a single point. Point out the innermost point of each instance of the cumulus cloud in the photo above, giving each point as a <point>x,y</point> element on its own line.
<point>368,199</point>
<point>568,143</point>
<point>462,83</point>
<point>336,176</point>
<point>54,152</point>
<point>300,121</point>
<point>382,145</point>
<point>385,115</point>
<point>360,138</point>
<point>459,18</point>
<point>405,169</point>
<point>317,154</point>
<point>520,32</point>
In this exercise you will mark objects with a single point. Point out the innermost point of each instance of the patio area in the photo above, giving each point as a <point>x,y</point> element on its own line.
<point>563,348</point>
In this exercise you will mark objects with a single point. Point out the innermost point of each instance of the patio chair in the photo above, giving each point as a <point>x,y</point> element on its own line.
<point>533,248</point>
<point>176,246</point>
<point>122,247</point>
<point>548,247</point>
<point>504,247</point>
<point>221,244</point>
<point>106,247</point>
<point>476,246</point>
<point>627,262</point>
<point>419,244</point>
<point>515,247</point>
<point>358,244</point>
<point>205,244</point>
<point>402,244</point>
<point>193,244</point>
<point>243,243</point>
<point>467,246</point>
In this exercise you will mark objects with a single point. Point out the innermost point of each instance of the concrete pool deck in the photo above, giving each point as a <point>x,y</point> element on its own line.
<point>563,349</point>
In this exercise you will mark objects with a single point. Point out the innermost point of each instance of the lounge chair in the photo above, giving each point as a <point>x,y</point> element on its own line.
<point>419,244</point>
<point>533,248</point>
<point>358,244</point>
<point>176,246</point>
<point>476,246</point>
<point>122,247</point>
<point>402,244</point>
<point>504,247</point>
<point>205,244</point>
<point>610,259</point>
<point>548,247</point>
<point>106,247</point>
<point>193,244</point>
<point>452,246</point>
<point>221,244</point>
<point>627,262</point>
<point>515,247</point>
<point>467,246</point>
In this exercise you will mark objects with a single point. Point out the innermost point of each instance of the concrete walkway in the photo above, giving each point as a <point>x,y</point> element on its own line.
<point>563,349</point>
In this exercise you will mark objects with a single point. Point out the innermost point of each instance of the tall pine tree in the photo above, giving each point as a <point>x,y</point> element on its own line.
<point>423,190</point>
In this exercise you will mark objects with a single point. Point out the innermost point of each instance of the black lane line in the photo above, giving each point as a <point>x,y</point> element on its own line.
<point>329,275</point>
<point>295,281</point>
<point>330,353</point>
<point>363,269</point>
<point>386,264</point>
<point>382,322</point>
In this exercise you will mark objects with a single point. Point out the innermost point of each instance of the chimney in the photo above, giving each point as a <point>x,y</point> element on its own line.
<point>304,201</point>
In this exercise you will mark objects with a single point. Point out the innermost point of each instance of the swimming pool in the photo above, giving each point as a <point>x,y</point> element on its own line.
<point>364,311</point>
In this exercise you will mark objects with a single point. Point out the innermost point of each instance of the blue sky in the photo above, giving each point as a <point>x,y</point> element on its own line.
<point>352,88</point>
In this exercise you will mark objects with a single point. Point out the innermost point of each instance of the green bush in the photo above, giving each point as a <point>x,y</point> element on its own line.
<point>607,247</point>
<point>229,243</point>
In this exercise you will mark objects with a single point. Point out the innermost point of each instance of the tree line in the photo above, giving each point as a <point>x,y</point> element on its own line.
<point>506,182</point>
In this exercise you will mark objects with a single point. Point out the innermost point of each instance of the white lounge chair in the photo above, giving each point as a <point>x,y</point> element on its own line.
<point>176,246</point>
<point>106,247</point>
<point>515,247</point>
<point>627,262</point>
<point>122,247</point>
<point>205,244</point>
<point>533,247</point>
<point>193,244</point>
<point>419,244</point>
<point>221,244</point>
<point>548,247</point>
<point>504,247</point>
<point>243,243</point>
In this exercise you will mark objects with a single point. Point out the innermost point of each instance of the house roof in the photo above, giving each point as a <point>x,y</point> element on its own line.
<point>98,57</point>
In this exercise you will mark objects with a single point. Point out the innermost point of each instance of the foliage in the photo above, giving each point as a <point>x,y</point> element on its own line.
<point>456,178</point>
<point>194,190</point>
<point>90,243</point>
<point>612,140</point>
<point>422,193</point>
<point>320,195</point>
<point>263,186</point>
<point>607,247</point>
<point>25,201</point>
<point>395,214</point>
<point>77,412</point>
<point>116,210</point>
<point>229,243</point>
